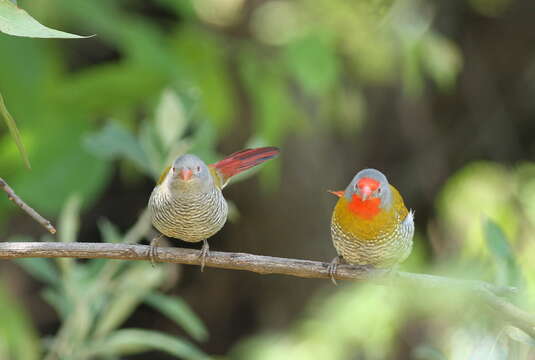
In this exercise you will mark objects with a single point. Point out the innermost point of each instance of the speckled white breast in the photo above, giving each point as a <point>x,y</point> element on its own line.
<point>190,217</point>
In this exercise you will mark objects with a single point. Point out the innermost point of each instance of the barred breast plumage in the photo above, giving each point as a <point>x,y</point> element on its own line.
<point>370,224</point>
<point>389,245</point>
<point>188,216</point>
<point>187,202</point>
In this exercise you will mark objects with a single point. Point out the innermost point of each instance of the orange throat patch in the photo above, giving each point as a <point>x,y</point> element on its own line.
<point>364,209</point>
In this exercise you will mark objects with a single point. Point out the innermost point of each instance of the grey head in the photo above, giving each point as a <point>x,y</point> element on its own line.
<point>188,172</point>
<point>370,184</point>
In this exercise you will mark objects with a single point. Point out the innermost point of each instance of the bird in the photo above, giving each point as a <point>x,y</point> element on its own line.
<point>370,225</point>
<point>187,202</point>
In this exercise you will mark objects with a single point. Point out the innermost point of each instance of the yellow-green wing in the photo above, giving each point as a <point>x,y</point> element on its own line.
<point>163,175</point>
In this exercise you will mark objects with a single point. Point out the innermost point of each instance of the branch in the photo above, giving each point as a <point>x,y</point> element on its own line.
<point>274,265</point>
<point>18,201</point>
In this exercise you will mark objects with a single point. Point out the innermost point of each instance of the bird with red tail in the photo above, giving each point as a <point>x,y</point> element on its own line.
<point>187,202</point>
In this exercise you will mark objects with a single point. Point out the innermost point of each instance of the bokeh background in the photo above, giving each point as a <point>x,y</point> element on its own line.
<point>436,94</point>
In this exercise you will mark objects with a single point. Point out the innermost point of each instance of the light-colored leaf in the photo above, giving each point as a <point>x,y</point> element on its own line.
<point>519,335</point>
<point>13,130</point>
<point>178,310</point>
<point>40,268</point>
<point>442,60</point>
<point>148,139</point>
<point>109,232</point>
<point>170,118</point>
<point>508,271</point>
<point>17,22</point>
<point>58,301</point>
<point>133,341</point>
<point>69,220</point>
<point>68,226</point>
<point>135,283</point>
<point>113,141</point>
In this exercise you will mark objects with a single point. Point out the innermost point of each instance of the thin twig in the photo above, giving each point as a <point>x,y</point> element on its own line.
<point>489,293</point>
<point>18,201</point>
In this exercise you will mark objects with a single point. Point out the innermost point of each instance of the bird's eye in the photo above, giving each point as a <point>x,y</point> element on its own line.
<point>379,189</point>
<point>198,169</point>
<point>173,169</point>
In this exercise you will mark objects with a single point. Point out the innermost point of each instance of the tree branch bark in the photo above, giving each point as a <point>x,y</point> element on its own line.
<point>488,293</point>
<point>30,211</point>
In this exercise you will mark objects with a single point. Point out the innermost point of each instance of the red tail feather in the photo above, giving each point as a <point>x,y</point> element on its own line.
<point>243,160</point>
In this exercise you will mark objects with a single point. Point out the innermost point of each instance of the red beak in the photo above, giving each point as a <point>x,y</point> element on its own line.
<point>185,174</point>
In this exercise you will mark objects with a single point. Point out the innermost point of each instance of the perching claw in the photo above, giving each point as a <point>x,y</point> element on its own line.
<point>205,252</point>
<point>153,250</point>
<point>332,268</point>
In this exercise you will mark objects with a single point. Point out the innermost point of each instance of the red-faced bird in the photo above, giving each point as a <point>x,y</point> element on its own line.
<point>370,224</point>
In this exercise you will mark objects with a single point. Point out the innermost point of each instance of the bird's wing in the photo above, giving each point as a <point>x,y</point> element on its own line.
<point>163,175</point>
<point>240,161</point>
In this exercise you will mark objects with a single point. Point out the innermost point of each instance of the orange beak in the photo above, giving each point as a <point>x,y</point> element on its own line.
<point>365,192</point>
<point>185,174</point>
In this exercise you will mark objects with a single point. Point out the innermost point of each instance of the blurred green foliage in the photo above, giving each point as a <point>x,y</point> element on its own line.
<point>18,338</point>
<point>166,86</point>
<point>479,205</point>
<point>94,298</point>
<point>14,131</point>
<point>303,44</point>
<point>487,211</point>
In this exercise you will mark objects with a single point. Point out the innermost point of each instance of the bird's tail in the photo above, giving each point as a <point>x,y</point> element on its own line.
<point>241,161</point>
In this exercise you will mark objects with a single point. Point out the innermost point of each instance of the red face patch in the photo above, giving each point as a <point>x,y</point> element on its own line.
<point>365,209</point>
<point>368,184</point>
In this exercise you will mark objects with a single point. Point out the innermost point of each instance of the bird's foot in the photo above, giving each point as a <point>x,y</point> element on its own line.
<point>332,267</point>
<point>205,252</point>
<point>153,250</point>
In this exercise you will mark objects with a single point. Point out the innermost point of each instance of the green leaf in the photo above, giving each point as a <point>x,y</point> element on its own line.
<point>58,301</point>
<point>68,226</point>
<point>179,311</point>
<point>508,271</point>
<point>87,174</point>
<point>312,60</point>
<point>442,60</point>
<point>69,220</point>
<point>107,87</point>
<point>133,341</point>
<point>273,109</point>
<point>113,141</point>
<point>519,335</point>
<point>109,232</point>
<point>170,118</point>
<point>13,130</point>
<point>18,336</point>
<point>203,142</point>
<point>150,143</point>
<point>17,22</point>
<point>202,58</point>
<point>41,269</point>
<point>138,280</point>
